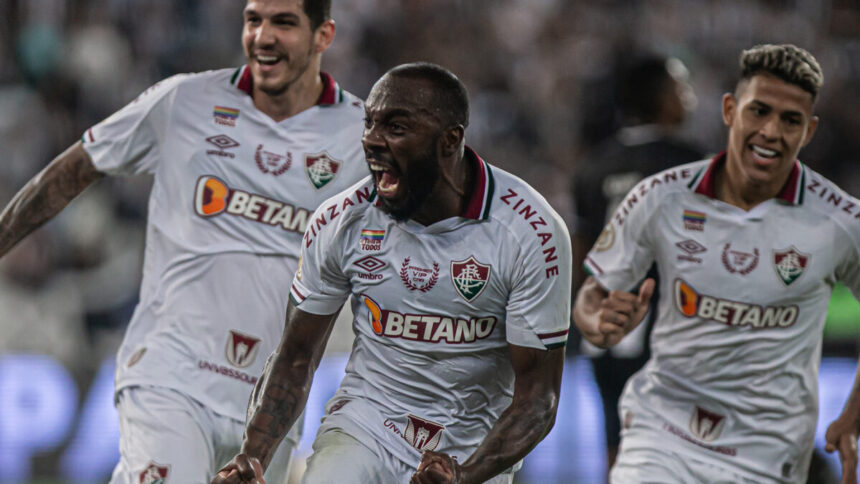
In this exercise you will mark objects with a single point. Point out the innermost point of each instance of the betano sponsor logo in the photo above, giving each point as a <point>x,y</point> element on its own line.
<point>429,328</point>
<point>213,197</point>
<point>732,313</point>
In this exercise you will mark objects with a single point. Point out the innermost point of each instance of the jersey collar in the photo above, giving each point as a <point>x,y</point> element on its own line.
<point>482,191</point>
<point>331,93</point>
<point>704,183</point>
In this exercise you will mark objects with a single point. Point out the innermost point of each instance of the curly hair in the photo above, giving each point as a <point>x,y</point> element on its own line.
<point>787,62</point>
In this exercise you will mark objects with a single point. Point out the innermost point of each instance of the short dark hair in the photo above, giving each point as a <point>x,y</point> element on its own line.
<point>318,11</point>
<point>787,62</point>
<point>640,86</point>
<point>451,96</point>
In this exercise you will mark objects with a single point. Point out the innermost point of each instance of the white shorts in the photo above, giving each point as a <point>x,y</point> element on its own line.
<point>167,435</point>
<point>339,457</point>
<point>659,465</point>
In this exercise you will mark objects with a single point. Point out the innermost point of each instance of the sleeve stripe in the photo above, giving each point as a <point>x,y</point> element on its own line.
<point>553,335</point>
<point>591,263</point>
<point>294,292</point>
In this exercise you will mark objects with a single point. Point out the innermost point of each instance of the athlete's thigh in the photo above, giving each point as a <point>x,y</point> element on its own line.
<point>162,437</point>
<point>339,457</point>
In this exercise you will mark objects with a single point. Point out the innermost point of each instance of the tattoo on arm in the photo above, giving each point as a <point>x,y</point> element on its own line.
<point>46,194</point>
<point>527,420</point>
<point>282,391</point>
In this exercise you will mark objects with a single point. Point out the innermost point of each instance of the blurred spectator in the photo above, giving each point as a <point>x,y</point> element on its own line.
<point>654,98</point>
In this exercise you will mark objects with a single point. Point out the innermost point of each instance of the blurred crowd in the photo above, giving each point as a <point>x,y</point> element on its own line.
<point>540,75</point>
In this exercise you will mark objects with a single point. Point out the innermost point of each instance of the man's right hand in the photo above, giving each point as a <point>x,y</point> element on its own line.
<point>241,470</point>
<point>604,317</point>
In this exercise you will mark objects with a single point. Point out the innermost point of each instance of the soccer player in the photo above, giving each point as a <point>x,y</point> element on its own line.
<point>749,245</point>
<point>240,158</point>
<point>459,274</point>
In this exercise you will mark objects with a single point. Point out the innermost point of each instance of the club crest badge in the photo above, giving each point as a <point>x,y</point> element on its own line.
<point>241,349</point>
<point>470,277</point>
<point>418,278</point>
<point>154,474</point>
<point>273,163</point>
<point>706,426</point>
<point>789,264</point>
<point>422,434</point>
<point>321,169</point>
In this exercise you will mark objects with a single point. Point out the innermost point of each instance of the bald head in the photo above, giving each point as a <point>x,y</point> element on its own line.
<point>429,88</point>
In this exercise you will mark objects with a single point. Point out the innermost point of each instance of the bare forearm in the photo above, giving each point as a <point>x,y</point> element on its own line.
<point>277,402</point>
<point>514,435</point>
<point>282,391</point>
<point>45,195</point>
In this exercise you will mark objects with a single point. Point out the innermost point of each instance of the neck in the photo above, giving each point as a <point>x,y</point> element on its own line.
<point>450,196</point>
<point>301,94</point>
<point>732,187</point>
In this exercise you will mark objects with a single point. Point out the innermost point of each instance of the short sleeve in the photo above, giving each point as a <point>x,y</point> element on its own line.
<point>129,141</point>
<point>538,308</point>
<point>622,254</point>
<point>320,286</point>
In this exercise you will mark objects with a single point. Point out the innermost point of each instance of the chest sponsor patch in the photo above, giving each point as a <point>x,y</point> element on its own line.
<point>222,142</point>
<point>321,169</point>
<point>369,265</point>
<point>789,264</point>
<point>470,277</point>
<point>428,328</point>
<point>692,304</point>
<point>691,249</point>
<point>213,197</point>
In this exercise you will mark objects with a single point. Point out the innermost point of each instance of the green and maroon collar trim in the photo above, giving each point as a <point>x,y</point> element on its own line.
<point>704,183</point>
<point>482,191</point>
<point>331,93</point>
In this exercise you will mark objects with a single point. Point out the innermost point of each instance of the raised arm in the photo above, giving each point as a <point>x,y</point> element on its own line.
<point>280,394</point>
<point>521,426</point>
<point>46,194</point>
<point>604,317</point>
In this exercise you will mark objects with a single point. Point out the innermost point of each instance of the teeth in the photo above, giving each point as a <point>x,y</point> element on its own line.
<point>377,167</point>
<point>267,58</point>
<point>764,151</point>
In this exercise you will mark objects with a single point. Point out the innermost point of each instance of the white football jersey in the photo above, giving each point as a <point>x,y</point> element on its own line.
<point>744,294</point>
<point>435,309</point>
<point>233,192</point>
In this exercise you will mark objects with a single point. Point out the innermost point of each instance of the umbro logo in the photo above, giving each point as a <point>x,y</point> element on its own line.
<point>691,249</point>
<point>222,142</point>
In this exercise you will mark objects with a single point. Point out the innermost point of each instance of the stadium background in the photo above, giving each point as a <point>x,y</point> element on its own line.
<point>539,73</point>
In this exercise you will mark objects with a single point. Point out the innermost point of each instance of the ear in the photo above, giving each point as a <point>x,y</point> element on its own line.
<point>730,104</point>
<point>451,140</point>
<point>323,36</point>
<point>810,130</point>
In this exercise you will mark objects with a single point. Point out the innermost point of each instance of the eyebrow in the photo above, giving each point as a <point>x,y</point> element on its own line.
<point>766,105</point>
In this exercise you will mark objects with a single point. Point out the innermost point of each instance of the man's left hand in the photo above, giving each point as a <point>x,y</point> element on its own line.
<point>437,468</point>
<point>841,435</point>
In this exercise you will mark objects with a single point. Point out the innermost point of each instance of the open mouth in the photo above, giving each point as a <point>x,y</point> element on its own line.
<point>267,60</point>
<point>762,155</point>
<point>387,180</point>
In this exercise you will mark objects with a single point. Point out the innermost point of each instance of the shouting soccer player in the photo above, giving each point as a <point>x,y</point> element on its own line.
<point>460,277</point>
<point>749,245</point>
<point>241,158</point>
